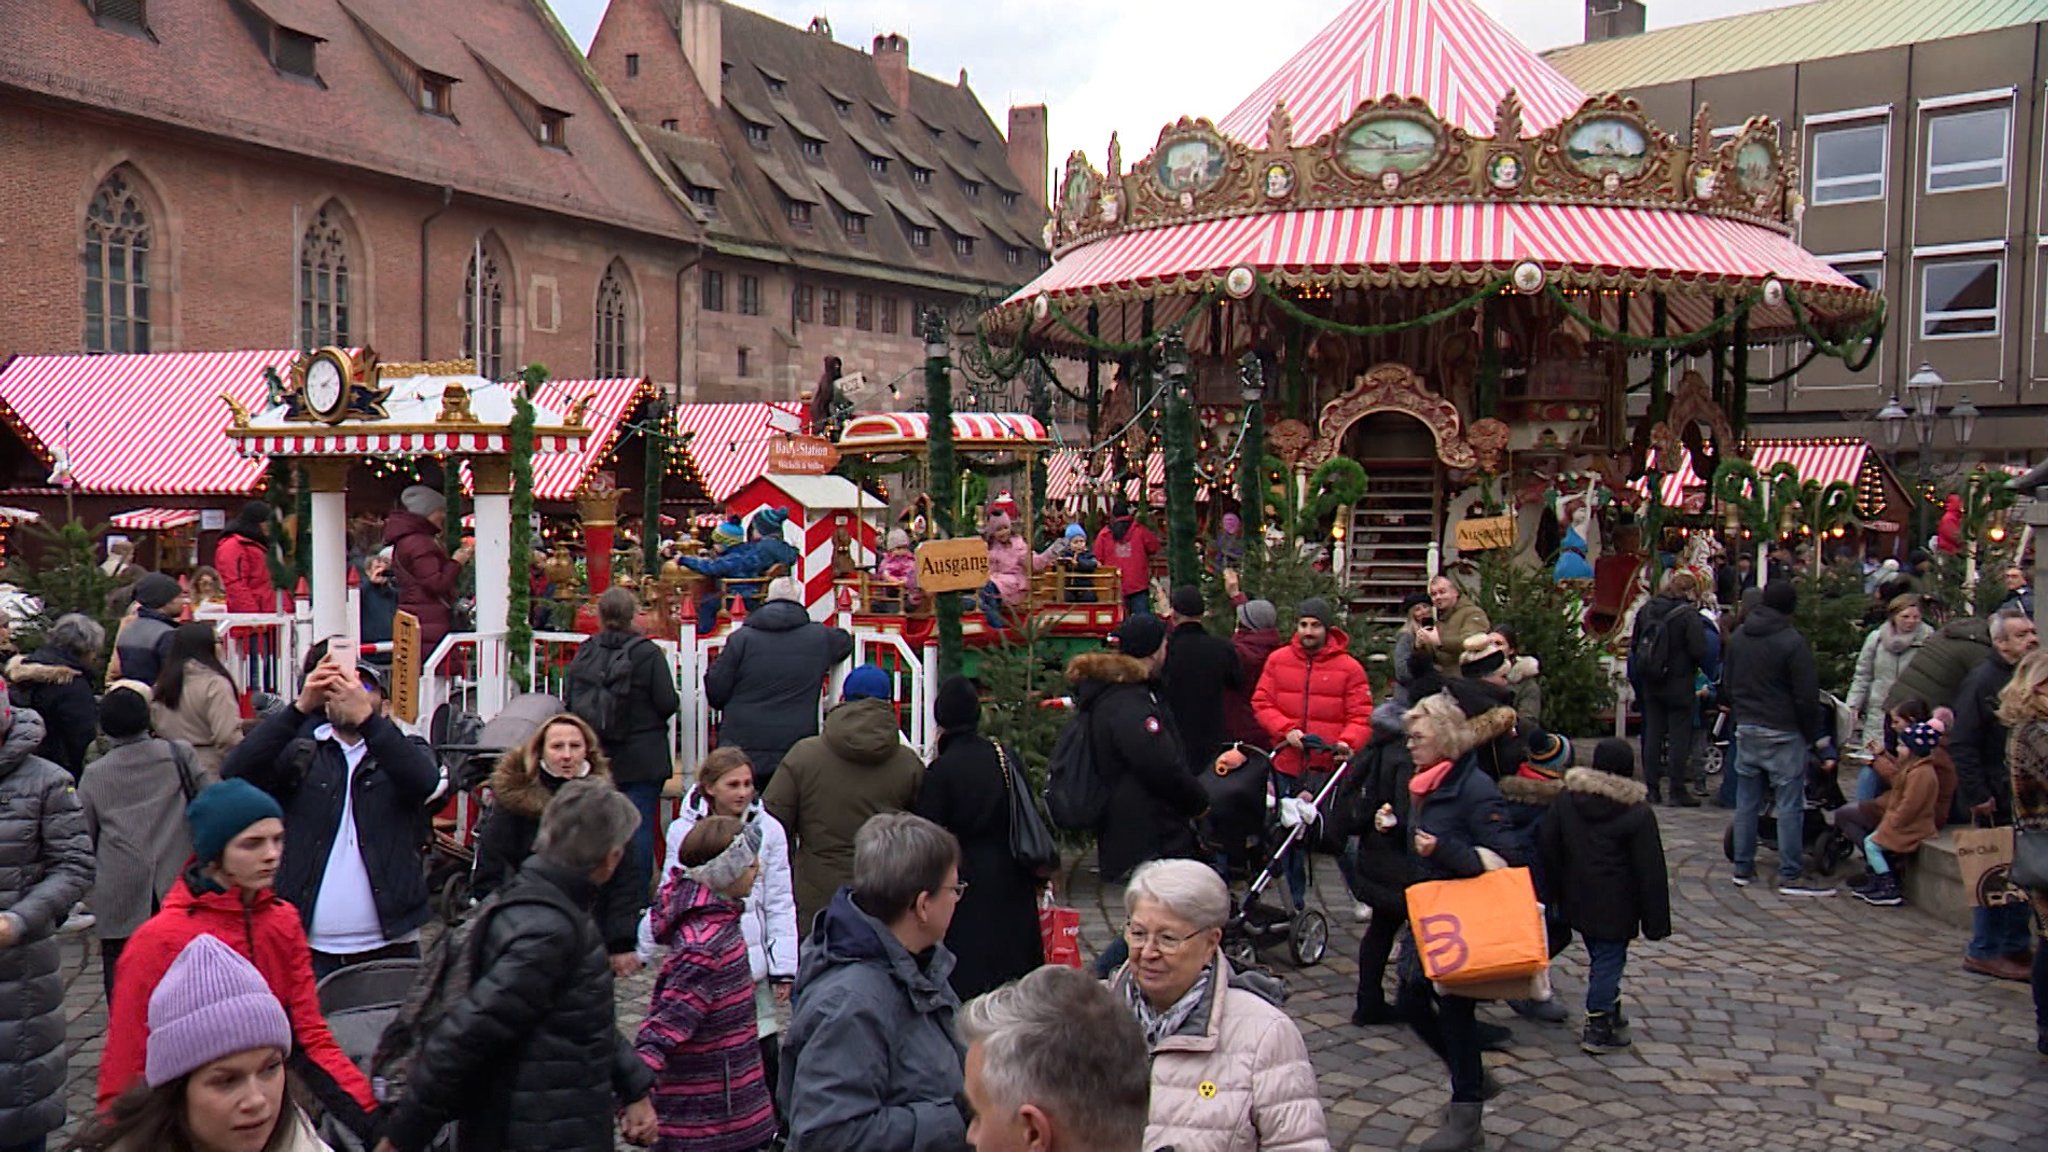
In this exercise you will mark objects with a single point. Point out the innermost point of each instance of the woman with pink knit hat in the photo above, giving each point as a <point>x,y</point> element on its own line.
<point>215,1076</point>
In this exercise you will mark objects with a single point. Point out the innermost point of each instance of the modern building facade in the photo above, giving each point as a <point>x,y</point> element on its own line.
<point>840,193</point>
<point>1919,129</point>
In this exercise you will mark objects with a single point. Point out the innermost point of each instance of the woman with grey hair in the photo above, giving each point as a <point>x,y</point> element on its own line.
<point>55,682</point>
<point>1054,1061</point>
<point>873,1062</point>
<point>1230,1072</point>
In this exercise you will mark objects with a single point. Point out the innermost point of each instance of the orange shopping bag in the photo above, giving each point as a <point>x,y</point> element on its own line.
<point>1488,927</point>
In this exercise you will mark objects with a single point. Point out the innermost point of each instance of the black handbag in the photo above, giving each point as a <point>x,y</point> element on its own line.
<point>2030,861</point>
<point>1031,842</point>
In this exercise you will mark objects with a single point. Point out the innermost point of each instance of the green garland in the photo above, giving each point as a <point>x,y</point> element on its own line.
<point>945,477</point>
<point>1338,482</point>
<point>519,538</point>
<point>1279,492</point>
<point>1142,343</point>
<point>1655,343</point>
<point>1870,334</point>
<point>1304,316</point>
<point>279,494</point>
<point>1182,565</point>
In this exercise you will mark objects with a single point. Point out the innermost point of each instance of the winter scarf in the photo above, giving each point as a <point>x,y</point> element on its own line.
<point>1159,1025</point>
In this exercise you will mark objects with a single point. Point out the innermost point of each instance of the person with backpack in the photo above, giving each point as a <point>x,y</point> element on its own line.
<point>1664,660</point>
<point>359,792</point>
<point>510,1032</point>
<point>125,796</point>
<point>229,891</point>
<point>622,686</point>
<point>525,780</point>
<point>770,678</point>
<point>711,1091</point>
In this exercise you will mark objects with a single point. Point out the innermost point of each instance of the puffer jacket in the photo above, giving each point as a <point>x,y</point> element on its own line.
<point>769,922</point>
<point>266,931</point>
<point>767,682</point>
<point>1770,678</point>
<point>1235,1078</point>
<point>531,1060</point>
<point>1602,850</point>
<point>1325,694</point>
<point>55,686</point>
<point>243,562</point>
<point>1131,737</point>
<point>520,790</point>
<point>874,1062</point>
<point>424,572</point>
<point>142,643</point>
<point>637,742</point>
<point>1465,813</point>
<point>1944,659</point>
<point>1878,668</point>
<point>46,866</point>
<point>828,787</point>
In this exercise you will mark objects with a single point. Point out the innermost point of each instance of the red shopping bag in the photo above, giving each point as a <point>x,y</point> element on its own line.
<point>1485,928</point>
<point>1059,930</point>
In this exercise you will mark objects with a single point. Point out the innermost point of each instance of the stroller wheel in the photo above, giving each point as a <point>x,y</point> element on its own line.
<point>1728,843</point>
<point>1308,938</point>
<point>453,903</point>
<point>1241,952</point>
<point>1712,759</point>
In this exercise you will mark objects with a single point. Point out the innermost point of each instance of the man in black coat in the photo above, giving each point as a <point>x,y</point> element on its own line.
<point>636,737</point>
<point>1152,797</point>
<point>531,1059</point>
<point>1999,941</point>
<point>334,755</point>
<point>1773,689</point>
<point>769,680</point>
<point>1664,659</point>
<point>1200,669</point>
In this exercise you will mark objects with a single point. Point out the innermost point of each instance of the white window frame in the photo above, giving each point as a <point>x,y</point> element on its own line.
<point>1859,262</point>
<point>2000,104</point>
<point>1820,183</point>
<point>1996,313</point>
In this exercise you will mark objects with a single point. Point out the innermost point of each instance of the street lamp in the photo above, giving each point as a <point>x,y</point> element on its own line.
<point>1892,418</point>
<point>1924,386</point>
<point>1965,415</point>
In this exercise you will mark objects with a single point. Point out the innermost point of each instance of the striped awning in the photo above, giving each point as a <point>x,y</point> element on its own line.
<point>150,424</point>
<point>1827,461</point>
<point>559,476</point>
<point>1066,474</point>
<point>153,519</point>
<point>972,431</point>
<point>730,444</point>
<point>12,515</point>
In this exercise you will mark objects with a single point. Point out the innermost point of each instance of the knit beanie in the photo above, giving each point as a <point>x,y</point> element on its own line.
<point>421,500</point>
<point>220,813</point>
<point>1076,532</point>
<point>124,712</point>
<point>1140,636</point>
<point>155,590</point>
<point>899,538</point>
<point>786,588</point>
<point>1254,615</point>
<point>210,1004</point>
<point>1614,757</point>
<point>1920,739</point>
<point>769,521</point>
<point>728,534</point>
<point>1781,595</point>
<point>1315,608</point>
<point>1187,602</point>
<point>1549,753</point>
<point>719,872</point>
<point>1412,601</point>
<point>867,682</point>
<point>956,707</point>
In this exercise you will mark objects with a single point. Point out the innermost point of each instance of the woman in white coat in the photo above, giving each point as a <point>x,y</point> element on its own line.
<point>725,787</point>
<point>1886,652</point>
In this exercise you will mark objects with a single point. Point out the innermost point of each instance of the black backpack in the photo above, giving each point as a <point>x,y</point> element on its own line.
<point>1076,795</point>
<point>1654,641</point>
<point>599,680</point>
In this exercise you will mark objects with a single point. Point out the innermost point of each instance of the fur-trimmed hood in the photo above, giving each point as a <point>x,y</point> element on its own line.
<point>1522,668</point>
<point>517,787</point>
<point>29,670</point>
<point>1605,785</point>
<point>1107,668</point>
<point>1491,725</point>
<point>1519,789</point>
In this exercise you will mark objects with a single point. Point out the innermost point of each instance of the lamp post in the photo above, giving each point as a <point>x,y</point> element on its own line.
<point>1923,389</point>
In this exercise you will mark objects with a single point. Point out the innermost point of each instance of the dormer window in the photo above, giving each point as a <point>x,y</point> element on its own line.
<point>130,16</point>
<point>963,247</point>
<point>920,175</point>
<point>671,125</point>
<point>292,53</point>
<point>1012,255</point>
<point>885,119</point>
<point>972,188</point>
<point>814,150</point>
<point>552,127</point>
<point>799,213</point>
<point>843,107</point>
<point>920,236</point>
<point>757,135</point>
<point>879,165</point>
<point>705,198</point>
<point>436,94</point>
<point>1009,199</point>
<point>854,223</point>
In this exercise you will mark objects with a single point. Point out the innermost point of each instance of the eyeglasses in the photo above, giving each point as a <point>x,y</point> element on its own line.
<point>958,890</point>
<point>1167,943</point>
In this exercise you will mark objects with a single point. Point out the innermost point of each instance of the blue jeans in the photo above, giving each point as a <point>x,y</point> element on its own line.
<point>1782,757</point>
<point>992,605</point>
<point>1729,759</point>
<point>1112,958</point>
<point>1869,786</point>
<point>1138,603</point>
<point>639,861</point>
<point>1295,861</point>
<point>1996,932</point>
<point>1603,975</point>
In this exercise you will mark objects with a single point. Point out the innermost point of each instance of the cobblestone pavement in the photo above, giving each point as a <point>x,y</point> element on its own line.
<point>1764,1022</point>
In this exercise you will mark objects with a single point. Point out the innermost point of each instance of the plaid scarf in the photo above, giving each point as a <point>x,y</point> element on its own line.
<point>1159,1025</point>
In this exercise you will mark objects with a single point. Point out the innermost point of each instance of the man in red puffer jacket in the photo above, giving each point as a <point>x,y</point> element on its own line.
<point>1312,687</point>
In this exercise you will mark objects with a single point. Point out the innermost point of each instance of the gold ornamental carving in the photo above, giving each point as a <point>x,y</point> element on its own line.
<point>1392,388</point>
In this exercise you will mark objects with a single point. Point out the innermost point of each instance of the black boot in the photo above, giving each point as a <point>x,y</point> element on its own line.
<point>1461,1131</point>
<point>1600,1036</point>
<point>1373,1012</point>
<point>1494,1037</point>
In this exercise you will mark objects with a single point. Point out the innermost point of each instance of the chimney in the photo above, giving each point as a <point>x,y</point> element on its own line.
<point>703,35</point>
<point>1029,158</point>
<point>1613,19</point>
<point>892,64</point>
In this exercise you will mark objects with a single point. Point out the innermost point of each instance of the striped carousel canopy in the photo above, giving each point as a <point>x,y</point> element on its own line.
<point>972,431</point>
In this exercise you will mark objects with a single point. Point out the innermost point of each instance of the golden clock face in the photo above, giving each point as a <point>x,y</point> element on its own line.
<point>326,388</point>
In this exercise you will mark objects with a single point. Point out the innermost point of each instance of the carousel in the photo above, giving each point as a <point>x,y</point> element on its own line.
<point>1427,273</point>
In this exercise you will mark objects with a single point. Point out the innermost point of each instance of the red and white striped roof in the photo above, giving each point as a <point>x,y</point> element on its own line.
<point>88,408</point>
<point>153,519</point>
<point>558,477</point>
<point>1827,461</point>
<point>1066,479</point>
<point>1447,52</point>
<point>883,431</point>
<point>731,445</point>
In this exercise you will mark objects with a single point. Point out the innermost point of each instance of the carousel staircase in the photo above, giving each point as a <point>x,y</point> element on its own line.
<point>1387,548</point>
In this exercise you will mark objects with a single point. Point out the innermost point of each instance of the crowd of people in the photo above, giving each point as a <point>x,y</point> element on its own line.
<point>845,937</point>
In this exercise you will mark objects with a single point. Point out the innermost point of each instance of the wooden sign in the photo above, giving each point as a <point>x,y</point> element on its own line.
<point>952,565</point>
<point>405,667</point>
<point>802,456</point>
<point>1480,533</point>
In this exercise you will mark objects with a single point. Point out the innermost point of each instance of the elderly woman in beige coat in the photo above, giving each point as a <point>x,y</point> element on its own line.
<point>1230,1072</point>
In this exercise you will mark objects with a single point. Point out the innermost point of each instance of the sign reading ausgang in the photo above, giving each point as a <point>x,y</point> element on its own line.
<point>952,565</point>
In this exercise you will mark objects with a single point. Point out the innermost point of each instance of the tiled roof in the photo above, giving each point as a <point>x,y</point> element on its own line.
<point>1779,36</point>
<point>202,69</point>
<point>815,75</point>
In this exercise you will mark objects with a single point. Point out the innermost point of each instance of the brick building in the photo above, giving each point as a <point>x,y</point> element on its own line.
<point>840,192</point>
<point>180,176</point>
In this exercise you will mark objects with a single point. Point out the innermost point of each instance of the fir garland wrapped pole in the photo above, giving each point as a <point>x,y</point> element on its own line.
<point>1182,564</point>
<point>1251,454</point>
<point>945,475</point>
<point>519,598</point>
<point>653,466</point>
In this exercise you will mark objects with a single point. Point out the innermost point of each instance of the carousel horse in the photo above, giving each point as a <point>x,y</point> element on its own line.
<point>1700,556</point>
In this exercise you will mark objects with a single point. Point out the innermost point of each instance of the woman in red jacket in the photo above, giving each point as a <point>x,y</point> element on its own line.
<point>425,571</point>
<point>1312,687</point>
<point>237,841</point>
<point>243,559</point>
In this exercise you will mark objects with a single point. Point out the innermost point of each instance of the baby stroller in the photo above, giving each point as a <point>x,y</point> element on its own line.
<point>468,748</point>
<point>359,1001</point>
<point>1823,849</point>
<point>1245,826</point>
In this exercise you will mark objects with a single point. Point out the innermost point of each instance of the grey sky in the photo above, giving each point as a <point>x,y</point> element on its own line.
<point>1136,66</point>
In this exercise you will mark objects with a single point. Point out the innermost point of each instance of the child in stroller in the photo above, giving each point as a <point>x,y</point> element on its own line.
<point>1255,835</point>
<point>1822,849</point>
